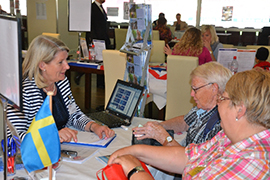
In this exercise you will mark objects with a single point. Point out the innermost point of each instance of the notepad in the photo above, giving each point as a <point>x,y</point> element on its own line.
<point>91,139</point>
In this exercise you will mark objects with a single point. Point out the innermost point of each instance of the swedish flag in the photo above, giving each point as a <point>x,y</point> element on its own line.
<point>41,146</point>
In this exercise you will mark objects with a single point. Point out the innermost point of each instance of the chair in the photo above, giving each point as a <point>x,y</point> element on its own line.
<point>179,101</point>
<point>114,68</point>
<point>157,54</point>
<point>155,35</point>
<point>120,38</point>
<point>228,45</point>
<point>55,35</point>
<point>257,47</point>
<point>248,38</point>
<point>235,35</point>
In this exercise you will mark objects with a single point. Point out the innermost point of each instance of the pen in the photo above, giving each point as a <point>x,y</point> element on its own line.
<point>124,127</point>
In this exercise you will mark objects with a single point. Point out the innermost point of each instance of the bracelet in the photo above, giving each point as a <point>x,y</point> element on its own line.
<point>90,127</point>
<point>135,170</point>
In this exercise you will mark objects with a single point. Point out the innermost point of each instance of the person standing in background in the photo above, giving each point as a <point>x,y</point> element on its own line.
<point>99,24</point>
<point>99,30</point>
<point>211,41</point>
<point>180,25</point>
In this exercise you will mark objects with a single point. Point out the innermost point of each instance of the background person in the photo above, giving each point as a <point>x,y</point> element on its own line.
<point>161,15</point>
<point>261,57</point>
<point>240,151</point>
<point>190,44</point>
<point>44,70</point>
<point>180,25</point>
<point>164,31</point>
<point>208,81</point>
<point>100,31</point>
<point>211,41</point>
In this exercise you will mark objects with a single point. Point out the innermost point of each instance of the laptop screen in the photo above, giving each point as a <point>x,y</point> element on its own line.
<point>124,99</point>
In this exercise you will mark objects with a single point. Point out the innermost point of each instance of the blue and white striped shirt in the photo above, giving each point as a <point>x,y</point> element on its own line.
<point>32,101</point>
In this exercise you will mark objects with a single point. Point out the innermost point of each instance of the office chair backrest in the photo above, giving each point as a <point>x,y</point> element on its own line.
<point>157,54</point>
<point>114,68</point>
<point>155,35</point>
<point>179,101</point>
<point>120,37</point>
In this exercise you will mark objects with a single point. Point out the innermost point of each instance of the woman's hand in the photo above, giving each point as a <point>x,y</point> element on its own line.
<point>128,162</point>
<point>207,44</point>
<point>67,134</point>
<point>167,50</point>
<point>151,130</point>
<point>101,130</point>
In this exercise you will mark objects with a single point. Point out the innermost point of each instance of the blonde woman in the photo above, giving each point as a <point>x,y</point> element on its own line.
<point>191,44</point>
<point>211,41</point>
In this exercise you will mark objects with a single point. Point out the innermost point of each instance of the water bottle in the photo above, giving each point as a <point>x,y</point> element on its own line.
<point>234,65</point>
<point>92,52</point>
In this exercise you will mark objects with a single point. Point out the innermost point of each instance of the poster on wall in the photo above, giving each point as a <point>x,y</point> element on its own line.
<point>126,11</point>
<point>227,13</point>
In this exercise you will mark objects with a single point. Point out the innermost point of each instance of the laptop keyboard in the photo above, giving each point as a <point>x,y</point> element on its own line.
<point>107,119</point>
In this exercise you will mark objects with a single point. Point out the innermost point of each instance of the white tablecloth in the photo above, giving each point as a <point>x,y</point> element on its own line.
<point>87,170</point>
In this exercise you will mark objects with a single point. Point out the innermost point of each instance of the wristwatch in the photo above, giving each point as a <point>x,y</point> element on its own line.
<point>211,52</point>
<point>135,170</point>
<point>167,140</point>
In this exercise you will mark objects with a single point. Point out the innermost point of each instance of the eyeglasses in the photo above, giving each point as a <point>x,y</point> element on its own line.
<point>196,89</point>
<point>222,98</point>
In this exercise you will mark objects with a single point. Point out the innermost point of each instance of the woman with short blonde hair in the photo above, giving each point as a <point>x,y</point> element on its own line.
<point>211,40</point>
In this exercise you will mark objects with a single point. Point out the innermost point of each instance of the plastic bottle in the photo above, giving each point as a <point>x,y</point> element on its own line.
<point>234,65</point>
<point>92,52</point>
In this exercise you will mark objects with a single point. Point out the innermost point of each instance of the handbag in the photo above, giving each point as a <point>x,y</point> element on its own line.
<point>115,172</point>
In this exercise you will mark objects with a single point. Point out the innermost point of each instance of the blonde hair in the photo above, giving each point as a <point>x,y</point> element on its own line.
<point>42,49</point>
<point>213,72</point>
<point>212,32</point>
<point>252,89</point>
<point>190,44</point>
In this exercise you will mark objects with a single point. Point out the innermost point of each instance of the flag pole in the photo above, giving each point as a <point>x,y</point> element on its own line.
<point>50,94</point>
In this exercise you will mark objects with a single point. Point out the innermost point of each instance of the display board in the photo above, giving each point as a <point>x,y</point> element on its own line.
<point>79,17</point>
<point>11,60</point>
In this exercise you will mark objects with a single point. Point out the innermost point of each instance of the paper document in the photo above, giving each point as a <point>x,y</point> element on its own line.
<point>91,139</point>
<point>99,47</point>
<point>225,56</point>
<point>245,57</point>
<point>103,159</point>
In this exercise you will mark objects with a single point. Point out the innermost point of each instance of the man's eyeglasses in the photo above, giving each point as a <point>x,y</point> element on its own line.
<point>196,89</point>
<point>222,98</point>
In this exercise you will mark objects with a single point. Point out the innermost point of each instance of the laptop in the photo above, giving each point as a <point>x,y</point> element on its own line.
<point>122,105</point>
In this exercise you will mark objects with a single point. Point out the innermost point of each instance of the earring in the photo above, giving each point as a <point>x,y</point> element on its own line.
<point>44,70</point>
<point>236,119</point>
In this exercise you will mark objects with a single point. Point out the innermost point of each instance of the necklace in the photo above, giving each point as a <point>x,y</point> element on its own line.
<point>52,91</point>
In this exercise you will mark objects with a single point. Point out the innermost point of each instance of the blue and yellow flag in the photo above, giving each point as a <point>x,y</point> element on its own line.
<point>41,145</point>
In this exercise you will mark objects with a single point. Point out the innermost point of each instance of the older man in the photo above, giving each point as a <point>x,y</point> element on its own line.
<point>202,122</point>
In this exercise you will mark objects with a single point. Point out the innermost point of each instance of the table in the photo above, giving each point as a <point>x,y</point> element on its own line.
<point>88,70</point>
<point>87,170</point>
<point>179,34</point>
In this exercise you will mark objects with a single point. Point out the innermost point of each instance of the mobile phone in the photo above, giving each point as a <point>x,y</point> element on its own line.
<point>69,153</point>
